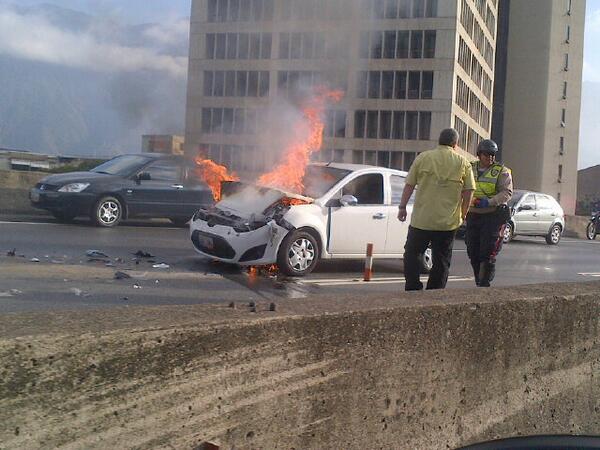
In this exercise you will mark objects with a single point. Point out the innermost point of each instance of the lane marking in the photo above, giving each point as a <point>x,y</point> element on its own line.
<point>590,274</point>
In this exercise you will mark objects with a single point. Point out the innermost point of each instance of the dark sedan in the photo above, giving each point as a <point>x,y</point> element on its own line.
<point>143,185</point>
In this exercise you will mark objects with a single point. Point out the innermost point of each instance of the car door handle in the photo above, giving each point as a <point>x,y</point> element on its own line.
<point>379,216</point>
<point>177,186</point>
<point>534,214</point>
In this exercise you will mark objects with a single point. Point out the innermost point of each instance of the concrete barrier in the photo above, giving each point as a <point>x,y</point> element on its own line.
<point>419,371</point>
<point>575,226</point>
<point>14,192</point>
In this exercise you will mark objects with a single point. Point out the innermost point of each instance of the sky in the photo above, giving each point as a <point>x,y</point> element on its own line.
<point>170,12</point>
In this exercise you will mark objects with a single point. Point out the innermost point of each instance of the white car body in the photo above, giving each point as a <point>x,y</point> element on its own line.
<point>342,232</point>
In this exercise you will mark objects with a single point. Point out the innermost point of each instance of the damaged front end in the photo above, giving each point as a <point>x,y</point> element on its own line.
<point>246,226</point>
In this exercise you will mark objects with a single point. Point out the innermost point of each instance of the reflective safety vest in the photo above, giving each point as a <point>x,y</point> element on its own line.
<point>486,182</point>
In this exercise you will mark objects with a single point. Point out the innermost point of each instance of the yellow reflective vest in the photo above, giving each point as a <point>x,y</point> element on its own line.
<point>487,181</point>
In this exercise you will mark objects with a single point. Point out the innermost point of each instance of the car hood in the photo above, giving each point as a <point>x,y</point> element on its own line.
<point>76,177</point>
<point>248,201</point>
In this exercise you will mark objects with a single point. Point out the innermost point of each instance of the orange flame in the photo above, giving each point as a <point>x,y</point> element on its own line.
<point>307,139</point>
<point>213,174</point>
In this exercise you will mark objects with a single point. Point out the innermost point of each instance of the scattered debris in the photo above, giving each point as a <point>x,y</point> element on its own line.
<point>136,286</point>
<point>12,252</point>
<point>77,292</point>
<point>253,309</point>
<point>121,276</point>
<point>161,266</point>
<point>119,260</point>
<point>95,254</point>
<point>5,294</point>
<point>109,264</point>
<point>272,307</point>
<point>125,299</point>
<point>156,281</point>
<point>100,260</point>
<point>34,260</point>
<point>143,254</point>
<point>252,304</point>
<point>16,292</point>
<point>207,446</point>
<point>56,261</point>
<point>232,305</point>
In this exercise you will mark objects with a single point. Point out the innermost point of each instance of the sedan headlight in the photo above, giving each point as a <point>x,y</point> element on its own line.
<point>74,187</point>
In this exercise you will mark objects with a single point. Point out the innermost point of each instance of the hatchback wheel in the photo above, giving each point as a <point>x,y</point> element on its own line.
<point>107,212</point>
<point>508,233</point>
<point>298,254</point>
<point>591,231</point>
<point>426,261</point>
<point>553,236</point>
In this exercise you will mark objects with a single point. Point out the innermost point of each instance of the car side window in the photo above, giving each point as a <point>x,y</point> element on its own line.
<point>529,201</point>
<point>163,170</point>
<point>397,182</point>
<point>543,202</point>
<point>368,189</point>
<point>192,177</point>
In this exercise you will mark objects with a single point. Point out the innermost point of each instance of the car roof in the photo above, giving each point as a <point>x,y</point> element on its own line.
<point>358,167</point>
<point>524,191</point>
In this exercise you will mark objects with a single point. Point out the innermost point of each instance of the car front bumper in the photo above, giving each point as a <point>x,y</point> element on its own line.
<point>223,243</point>
<point>74,203</point>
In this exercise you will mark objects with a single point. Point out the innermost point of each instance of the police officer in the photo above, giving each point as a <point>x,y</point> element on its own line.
<point>489,213</point>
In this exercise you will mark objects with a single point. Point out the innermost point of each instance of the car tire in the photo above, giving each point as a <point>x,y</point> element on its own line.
<point>553,236</point>
<point>179,221</point>
<point>107,212</point>
<point>298,254</point>
<point>426,262</point>
<point>63,217</point>
<point>590,231</point>
<point>509,233</point>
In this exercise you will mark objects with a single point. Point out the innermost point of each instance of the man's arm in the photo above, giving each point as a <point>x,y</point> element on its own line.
<point>406,193</point>
<point>504,187</point>
<point>466,198</point>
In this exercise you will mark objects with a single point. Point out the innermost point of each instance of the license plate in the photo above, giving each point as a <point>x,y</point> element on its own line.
<point>206,242</point>
<point>35,196</point>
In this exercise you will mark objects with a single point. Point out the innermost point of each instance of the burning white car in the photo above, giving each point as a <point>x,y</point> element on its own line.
<point>341,209</point>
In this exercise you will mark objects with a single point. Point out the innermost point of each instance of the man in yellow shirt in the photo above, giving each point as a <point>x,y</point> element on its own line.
<point>446,184</point>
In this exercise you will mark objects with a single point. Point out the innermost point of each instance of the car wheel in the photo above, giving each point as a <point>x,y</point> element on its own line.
<point>179,222</point>
<point>107,212</point>
<point>553,236</point>
<point>426,261</point>
<point>509,233</point>
<point>590,231</point>
<point>62,216</point>
<point>298,254</point>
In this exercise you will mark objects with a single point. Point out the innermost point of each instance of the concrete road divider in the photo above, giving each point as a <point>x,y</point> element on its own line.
<point>429,370</point>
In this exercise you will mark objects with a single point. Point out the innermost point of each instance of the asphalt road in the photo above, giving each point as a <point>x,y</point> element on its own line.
<point>65,278</point>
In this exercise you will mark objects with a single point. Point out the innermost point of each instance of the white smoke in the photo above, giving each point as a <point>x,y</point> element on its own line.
<point>32,37</point>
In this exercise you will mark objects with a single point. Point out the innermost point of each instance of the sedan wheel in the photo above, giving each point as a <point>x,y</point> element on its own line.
<point>298,254</point>
<point>553,236</point>
<point>107,212</point>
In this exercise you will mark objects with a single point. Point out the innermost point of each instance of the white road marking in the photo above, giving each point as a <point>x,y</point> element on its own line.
<point>590,274</point>
<point>386,280</point>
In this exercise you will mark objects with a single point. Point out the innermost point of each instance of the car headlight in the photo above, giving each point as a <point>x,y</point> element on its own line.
<point>74,187</point>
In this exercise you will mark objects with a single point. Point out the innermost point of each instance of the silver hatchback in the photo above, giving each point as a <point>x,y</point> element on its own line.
<point>535,214</point>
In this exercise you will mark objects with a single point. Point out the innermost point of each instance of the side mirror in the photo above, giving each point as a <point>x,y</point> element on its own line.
<point>349,200</point>
<point>143,176</point>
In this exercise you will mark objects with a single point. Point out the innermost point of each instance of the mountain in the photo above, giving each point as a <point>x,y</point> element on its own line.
<point>84,100</point>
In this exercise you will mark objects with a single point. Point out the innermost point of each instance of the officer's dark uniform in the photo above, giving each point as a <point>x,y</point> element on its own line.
<point>488,216</point>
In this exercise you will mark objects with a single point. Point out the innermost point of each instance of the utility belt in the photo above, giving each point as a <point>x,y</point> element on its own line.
<point>502,213</point>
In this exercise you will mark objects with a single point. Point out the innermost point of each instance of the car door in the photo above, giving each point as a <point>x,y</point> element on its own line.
<point>396,230</point>
<point>545,212</point>
<point>158,196</point>
<point>352,227</point>
<point>195,192</point>
<point>525,217</point>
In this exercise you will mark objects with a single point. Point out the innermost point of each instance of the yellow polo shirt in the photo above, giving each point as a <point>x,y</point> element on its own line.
<point>440,176</point>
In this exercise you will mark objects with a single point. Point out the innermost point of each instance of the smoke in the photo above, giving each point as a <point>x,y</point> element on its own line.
<point>31,36</point>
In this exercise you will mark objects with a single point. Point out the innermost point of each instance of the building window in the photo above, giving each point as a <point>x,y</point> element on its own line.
<point>569,5</point>
<point>403,44</point>
<point>416,44</point>
<point>238,45</point>
<point>564,92</point>
<point>560,172</point>
<point>357,157</point>
<point>236,83</point>
<point>566,68</point>
<point>561,146</point>
<point>359,124</point>
<point>429,50</point>
<point>563,118</point>
<point>568,34</point>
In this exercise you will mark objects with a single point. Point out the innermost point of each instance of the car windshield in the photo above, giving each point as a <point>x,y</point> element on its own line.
<point>318,180</point>
<point>121,165</point>
<point>518,195</point>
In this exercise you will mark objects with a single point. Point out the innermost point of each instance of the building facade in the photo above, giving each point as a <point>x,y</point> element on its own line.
<point>538,96</point>
<point>409,68</point>
<point>162,143</point>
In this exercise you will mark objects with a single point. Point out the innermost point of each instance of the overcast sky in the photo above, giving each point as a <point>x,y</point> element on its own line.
<point>169,11</point>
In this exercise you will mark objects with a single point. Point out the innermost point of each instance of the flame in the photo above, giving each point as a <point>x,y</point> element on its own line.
<point>307,138</point>
<point>213,174</point>
<point>288,201</point>
<point>269,270</point>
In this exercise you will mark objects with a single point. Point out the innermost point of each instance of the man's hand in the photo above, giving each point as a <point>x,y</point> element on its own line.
<point>402,214</point>
<point>481,203</point>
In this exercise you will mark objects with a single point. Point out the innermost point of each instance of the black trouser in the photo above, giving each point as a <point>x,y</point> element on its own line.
<point>484,241</point>
<point>417,242</point>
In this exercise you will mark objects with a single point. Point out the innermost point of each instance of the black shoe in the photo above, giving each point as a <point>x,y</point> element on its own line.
<point>484,275</point>
<point>476,272</point>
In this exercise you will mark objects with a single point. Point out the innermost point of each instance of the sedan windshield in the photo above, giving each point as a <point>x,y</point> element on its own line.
<point>122,165</point>
<point>318,180</point>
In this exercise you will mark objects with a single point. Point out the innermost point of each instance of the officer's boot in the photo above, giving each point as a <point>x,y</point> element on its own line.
<point>484,274</point>
<point>476,272</point>
<point>492,270</point>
